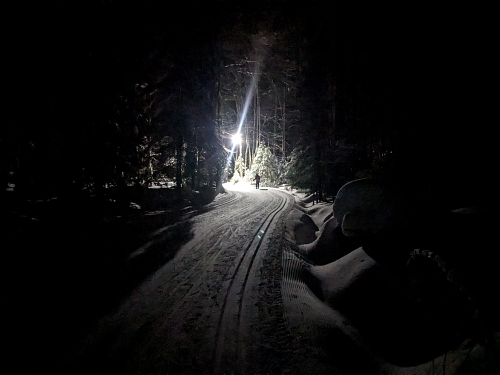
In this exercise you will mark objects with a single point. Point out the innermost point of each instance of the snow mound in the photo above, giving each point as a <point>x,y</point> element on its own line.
<point>325,248</point>
<point>320,213</point>
<point>304,229</point>
<point>353,271</point>
<point>316,233</point>
<point>370,297</point>
<point>369,206</point>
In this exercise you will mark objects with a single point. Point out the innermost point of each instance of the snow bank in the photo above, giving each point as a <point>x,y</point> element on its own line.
<point>369,206</point>
<point>364,294</point>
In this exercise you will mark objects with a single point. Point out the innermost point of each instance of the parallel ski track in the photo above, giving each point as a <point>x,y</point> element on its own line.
<point>249,254</point>
<point>211,281</point>
<point>225,200</point>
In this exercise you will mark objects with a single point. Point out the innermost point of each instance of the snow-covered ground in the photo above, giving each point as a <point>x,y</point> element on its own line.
<point>351,311</point>
<point>253,283</point>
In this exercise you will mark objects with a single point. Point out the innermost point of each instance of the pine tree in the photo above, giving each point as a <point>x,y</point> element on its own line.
<point>298,171</point>
<point>267,166</point>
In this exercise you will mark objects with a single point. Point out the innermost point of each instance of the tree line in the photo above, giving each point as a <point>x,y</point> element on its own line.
<point>130,95</point>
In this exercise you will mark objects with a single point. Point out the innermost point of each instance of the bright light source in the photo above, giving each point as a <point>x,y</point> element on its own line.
<point>236,139</point>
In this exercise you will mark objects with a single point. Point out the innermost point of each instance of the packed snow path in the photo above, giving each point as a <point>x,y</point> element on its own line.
<point>200,311</point>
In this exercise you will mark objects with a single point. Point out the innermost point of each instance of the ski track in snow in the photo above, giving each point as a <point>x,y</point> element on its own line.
<point>235,300</point>
<point>198,312</point>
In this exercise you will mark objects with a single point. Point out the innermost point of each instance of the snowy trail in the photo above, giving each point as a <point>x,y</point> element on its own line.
<point>198,312</point>
<point>229,292</point>
<point>232,325</point>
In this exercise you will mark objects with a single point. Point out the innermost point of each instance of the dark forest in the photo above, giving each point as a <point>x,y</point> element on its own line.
<point>101,96</point>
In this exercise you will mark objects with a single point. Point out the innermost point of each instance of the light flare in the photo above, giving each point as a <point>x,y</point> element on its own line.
<point>246,105</point>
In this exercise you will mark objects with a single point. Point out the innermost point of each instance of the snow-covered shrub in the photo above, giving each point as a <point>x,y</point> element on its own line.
<point>298,170</point>
<point>236,177</point>
<point>239,167</point>
<point>248,176</point>
<point>267,166</point>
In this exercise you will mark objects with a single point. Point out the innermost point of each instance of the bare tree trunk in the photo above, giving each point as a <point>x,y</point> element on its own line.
<point>218,169</point>
<point>283,109</point>
<point>179,150</point>
<point>257,107</point>
<point>178,170</point>
<point>275,123</point>
<point>150,162</point>
<point>254,134</point>
<point>218,101</point>
<point>251,152</point>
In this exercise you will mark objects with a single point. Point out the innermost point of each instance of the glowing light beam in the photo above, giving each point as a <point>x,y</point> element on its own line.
<point>248,99</point>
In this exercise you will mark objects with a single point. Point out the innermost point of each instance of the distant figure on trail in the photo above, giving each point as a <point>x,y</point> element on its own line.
<point>257,181</point>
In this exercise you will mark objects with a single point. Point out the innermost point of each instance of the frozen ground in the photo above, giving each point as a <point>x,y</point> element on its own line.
<point>252,283</point>
<point>351,313</point>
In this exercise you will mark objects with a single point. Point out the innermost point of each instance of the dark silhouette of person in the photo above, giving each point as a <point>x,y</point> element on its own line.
<point>257,181</point>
